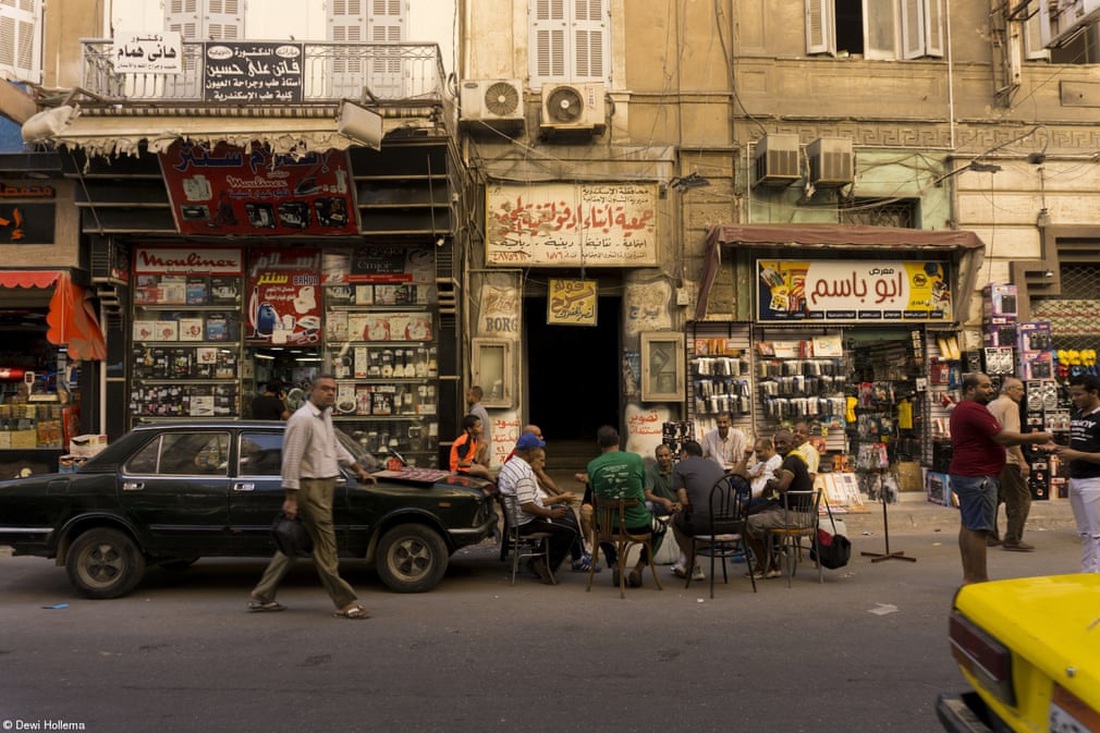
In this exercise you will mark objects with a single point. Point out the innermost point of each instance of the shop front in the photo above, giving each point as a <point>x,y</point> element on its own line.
<point>848,329</point>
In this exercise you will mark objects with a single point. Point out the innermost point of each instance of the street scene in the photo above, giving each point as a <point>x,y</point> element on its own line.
<point>865,650</point>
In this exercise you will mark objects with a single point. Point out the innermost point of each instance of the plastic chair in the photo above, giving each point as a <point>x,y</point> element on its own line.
<point>535,544</point>
<point>610,529</point>
<point>725,537</point>
<point>799,520</point>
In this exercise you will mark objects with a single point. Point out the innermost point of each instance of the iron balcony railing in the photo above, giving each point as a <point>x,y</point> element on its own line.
<point>305,72</point>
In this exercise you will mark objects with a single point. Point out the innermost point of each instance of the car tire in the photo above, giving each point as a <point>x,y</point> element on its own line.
<point>104,563</point>
<point>411,558</point>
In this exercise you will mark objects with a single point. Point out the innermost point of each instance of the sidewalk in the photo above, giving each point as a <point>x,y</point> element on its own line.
<point>915,515</point>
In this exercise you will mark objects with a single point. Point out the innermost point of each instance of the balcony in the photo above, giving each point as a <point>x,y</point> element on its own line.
<point>406,76</point>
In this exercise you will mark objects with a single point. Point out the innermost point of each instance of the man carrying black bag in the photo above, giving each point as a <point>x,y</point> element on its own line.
<point>312,457</point>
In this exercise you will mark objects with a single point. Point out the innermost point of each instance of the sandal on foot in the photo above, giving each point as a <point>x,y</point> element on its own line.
<point>257,606</point>
<point>634,579</point>
<point>354,613</point>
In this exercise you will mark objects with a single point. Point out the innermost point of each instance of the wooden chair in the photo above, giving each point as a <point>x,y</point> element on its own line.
<point>799,520</point>
<point>536,544</point>
<point>724,537</point>
<point>610,520</point>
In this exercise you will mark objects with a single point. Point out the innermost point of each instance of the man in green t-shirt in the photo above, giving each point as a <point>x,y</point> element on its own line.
<point>617,474</point>
<point>662,499</point>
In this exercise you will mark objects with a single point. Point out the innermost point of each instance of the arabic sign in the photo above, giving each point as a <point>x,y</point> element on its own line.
<point>147,53</point>
<point>250,71</point>
<point>571,303</point>
<point>284,300</point>
<point>567,225</point>
<point>853,291</point>
<point>20,190</point>
<point>26,223</point>
<point>230,190</point>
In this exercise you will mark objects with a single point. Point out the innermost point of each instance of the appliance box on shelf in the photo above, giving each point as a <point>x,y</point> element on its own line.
<point>999,303</point>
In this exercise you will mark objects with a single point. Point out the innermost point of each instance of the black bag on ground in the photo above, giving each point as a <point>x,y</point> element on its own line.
<point>835,549</point>
<point>291,537</point>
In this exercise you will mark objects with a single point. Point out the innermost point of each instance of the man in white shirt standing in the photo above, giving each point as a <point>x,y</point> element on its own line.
<point>724,445</point>
<point>1014,492</point>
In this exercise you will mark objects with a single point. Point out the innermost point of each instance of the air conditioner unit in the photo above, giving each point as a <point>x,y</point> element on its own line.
<point>1060,20</point>
<point>777,160</point>
<point>573,108</point>
<point>493,103</point>
<point>108,261</point>
<point>831,164</point>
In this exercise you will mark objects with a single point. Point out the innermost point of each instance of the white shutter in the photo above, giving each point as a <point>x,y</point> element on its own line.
<point>590,35</point>
<point>933,28</point>
<point>1033,39</point>
<point>386,24</point>
<point>912,28</point>
<point>548,52</point>
<point>347,23</point>
<point>183,17</point>
<point>820,37</point>
<point>224,20</point>
<point>21,40</point>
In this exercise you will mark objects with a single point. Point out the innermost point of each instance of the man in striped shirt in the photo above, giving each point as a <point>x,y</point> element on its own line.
<point>312,457</point>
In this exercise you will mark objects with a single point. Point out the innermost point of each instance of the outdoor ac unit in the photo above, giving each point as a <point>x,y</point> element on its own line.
<point>493,103</point>
<point>1060,20</point>
<point>777,160</point>
<point>831,164</point>
<point>569,108</point>
<point>108,261</point>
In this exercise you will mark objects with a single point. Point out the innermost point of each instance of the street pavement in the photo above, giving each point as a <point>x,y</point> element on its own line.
<point>864,651</point>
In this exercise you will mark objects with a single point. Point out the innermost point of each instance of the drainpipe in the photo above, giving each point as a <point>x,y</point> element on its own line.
<point>950,75</point>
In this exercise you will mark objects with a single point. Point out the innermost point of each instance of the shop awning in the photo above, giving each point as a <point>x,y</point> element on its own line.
<point>71,318</point>
<point>841,237</point>
<point>122,134</point>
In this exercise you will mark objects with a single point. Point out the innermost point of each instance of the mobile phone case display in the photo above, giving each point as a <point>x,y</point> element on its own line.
<point>380,340</point>
<point>1044,412</point>
<point>809,389</point>
<point>721,384</point>
<point>185,353</point>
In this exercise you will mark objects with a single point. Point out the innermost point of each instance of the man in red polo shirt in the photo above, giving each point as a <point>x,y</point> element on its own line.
<point>978,443</point>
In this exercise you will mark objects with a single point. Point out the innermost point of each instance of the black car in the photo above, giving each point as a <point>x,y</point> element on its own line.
<point>170,493</point>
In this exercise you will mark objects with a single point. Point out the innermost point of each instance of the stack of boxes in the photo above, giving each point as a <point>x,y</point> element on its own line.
<point>999,333</point>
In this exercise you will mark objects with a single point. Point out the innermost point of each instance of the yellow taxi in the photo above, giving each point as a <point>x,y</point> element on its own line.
<point>1030,647</point>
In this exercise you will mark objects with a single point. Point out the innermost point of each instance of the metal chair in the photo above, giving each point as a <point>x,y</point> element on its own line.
<point>535,544</point>
<point>610,528</point>
<point>799,520</point>
<point>725,538</point>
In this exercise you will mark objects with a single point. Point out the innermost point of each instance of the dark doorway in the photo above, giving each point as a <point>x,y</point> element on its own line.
<point>572,371</point>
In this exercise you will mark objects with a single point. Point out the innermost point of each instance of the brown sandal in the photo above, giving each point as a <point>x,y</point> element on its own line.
<point>354,613</point>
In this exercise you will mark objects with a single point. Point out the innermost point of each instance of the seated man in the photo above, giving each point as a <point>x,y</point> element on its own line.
<point>660,497</point>
<point>464,450</point>
<point>693,478</point>
<point>763,470</point>
<point>616,474</point>
<point>523,501</point>
<point>793,476</point>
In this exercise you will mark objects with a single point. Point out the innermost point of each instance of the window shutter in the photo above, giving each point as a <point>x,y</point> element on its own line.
<point>933,28</point>
<point>224,20</point>
<point>347,23</point>
<point>590,33</point>
<point>912,28</point>
<point>549,36</point>
<point>386,24</point>
<point>21,40</point>
<point>1033,40</point>
<point>819,27</point>
<point>182,16</point>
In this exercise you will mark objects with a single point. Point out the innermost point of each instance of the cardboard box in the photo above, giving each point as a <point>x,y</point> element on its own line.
<point>999,303</point>
<point>999,335</point>
<point>87,445</point>
<point>909,475</point>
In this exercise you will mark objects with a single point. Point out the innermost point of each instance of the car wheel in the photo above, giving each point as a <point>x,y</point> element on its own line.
<point>411,558</point>
<point>104,563</point>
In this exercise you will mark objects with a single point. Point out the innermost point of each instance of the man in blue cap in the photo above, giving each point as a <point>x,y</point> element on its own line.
<point>524,503</point>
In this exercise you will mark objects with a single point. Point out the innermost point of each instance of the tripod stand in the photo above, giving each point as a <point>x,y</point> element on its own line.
<point>887,555</point>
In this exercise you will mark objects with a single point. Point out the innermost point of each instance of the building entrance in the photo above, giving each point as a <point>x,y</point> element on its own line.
<point>572,371</point>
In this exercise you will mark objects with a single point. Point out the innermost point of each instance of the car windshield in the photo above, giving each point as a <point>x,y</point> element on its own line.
<point>362,456</point>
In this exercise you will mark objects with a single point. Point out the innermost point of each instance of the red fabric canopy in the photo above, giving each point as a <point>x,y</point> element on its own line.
<point>71,319</point>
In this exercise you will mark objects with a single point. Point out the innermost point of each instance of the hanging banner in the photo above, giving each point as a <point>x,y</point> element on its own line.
<point>251,71</point>
<point>833,291</point>
<point>572,303</point>
<point>571,225</point>
<point>284,298</point>
<point>147,53</point>
<point>230,190</point>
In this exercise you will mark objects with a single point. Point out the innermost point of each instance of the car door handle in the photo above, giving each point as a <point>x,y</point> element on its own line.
<point>244,487</point>
<point>133,485</point>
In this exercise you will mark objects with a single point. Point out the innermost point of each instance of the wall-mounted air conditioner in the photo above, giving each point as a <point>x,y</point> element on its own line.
<point>492,103</point>
<point>831,164</point>
<point>776,159</point>
<point>573,108</point>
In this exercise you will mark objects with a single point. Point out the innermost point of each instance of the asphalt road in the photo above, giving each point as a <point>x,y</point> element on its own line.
<point>865,651</point>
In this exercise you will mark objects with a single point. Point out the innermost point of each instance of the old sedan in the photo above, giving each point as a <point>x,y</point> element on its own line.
<point>1030,647</point>
<point>170,493</point>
